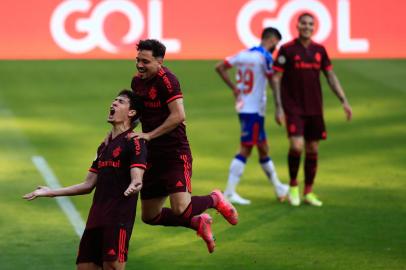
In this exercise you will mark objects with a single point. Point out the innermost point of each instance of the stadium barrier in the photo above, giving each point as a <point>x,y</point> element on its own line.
<point>76,29</point>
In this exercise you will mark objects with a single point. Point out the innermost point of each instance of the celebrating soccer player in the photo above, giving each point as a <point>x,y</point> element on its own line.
<point>254,69</point>
<point>169,170</point>
<point>117,174</point>
<point>298,68</point>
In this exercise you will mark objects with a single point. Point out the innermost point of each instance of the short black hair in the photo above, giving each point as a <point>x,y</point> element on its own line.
<point>158,49</point>
<point>135,102</point>
<point>305,14</point>
<point>271,32</point>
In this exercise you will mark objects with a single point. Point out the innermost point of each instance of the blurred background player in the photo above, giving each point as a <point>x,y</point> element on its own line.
<point>297,74</point>
<point>254,69</point>
<point>169,169</point>
<point>117,175</point>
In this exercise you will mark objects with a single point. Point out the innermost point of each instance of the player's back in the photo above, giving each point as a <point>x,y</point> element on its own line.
<point>253,68</point>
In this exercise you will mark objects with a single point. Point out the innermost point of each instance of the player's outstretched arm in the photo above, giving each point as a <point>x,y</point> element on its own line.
<point>136,181</point>
<point>222,70</point>
<point>335,86</point>
<point>79,189</point>
<point>275,83</point>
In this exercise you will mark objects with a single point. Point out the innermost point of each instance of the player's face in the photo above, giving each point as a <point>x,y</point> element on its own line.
<point>273,43</point>
<point>147,65</point>
<point>120,111</point>
<point>305,27</point>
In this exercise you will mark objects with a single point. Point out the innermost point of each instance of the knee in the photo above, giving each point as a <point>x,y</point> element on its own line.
<point>312,148</point>
<point>178,209</point>
<point>245,151</point>
<point>112,266</point>
<point>147,220</point>
<point>296,146</point>
<point>263,150</point>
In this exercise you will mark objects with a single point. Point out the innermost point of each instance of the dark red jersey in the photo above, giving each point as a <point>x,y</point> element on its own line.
<point>156,93</point>
<point>301,88</point>
<point>112,165</point>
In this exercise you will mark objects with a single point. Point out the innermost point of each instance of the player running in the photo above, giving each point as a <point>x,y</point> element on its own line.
<point>298,68</point>
<point>254,69</point>
<point>169,170</point>
<point>117,174</point>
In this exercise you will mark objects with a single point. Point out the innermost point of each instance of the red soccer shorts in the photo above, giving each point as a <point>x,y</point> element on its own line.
<point>165,176</point>
<point>312,128</point>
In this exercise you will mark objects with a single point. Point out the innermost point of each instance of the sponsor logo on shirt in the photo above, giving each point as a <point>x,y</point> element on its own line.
<point>108,163</point>
<point>137,147</point>
<point>152,104</point>
<point>167,83</point>
<point>304,65</point>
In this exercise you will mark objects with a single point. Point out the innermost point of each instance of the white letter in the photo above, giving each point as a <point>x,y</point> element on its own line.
<point>345,43</point>
<point>155,26</point>
<point>129,9</point>
<point>245,16</point>
<point>58,31</point>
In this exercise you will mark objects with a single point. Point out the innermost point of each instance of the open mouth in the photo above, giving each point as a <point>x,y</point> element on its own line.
<point>112,111</point>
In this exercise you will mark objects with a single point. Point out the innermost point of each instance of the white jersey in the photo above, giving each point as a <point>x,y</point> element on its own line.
<point>254,67</point>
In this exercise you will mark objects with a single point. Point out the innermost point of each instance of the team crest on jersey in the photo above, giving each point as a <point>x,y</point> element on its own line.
<point>281,60</point>
<point>317,57</point>
<point>152,93</point>
<point>297,57</point>
<point>117,151</point>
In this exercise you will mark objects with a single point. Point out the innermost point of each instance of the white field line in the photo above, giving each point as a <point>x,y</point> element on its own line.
<point>64,202</point>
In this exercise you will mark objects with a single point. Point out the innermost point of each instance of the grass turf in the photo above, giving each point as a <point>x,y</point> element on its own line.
<point>57,109</point>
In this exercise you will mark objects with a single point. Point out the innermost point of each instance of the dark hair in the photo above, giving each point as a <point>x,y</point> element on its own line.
<point>135,102</point>
<point>271,32</point>
<point>158,49</point>
<point>305,14</point>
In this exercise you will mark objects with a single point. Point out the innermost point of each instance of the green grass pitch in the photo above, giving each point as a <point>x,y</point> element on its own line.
<point>58,109</point>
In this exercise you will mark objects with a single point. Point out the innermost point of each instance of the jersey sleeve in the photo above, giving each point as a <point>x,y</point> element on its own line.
<point>325,61</point>
<point>267,65</point>
<point>281,60</point>
<point>170,88</point>
<point>232,61</point>
<point>94,167</point>
<point>138,154</point>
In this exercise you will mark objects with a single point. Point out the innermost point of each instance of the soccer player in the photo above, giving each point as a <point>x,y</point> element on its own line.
<point>297,74</point>
<point>169,170</point>
<point>254,69</point>
<point>117,174</point>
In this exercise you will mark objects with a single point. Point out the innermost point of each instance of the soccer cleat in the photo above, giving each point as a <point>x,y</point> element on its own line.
<point>282,192</point>
<point>236,199</point>
<point>293,197</point>
<point>225,208</point>
<point>311,198</point>
<point>203,229</point>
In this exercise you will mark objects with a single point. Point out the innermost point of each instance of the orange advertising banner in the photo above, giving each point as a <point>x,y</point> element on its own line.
<point>211,29</point>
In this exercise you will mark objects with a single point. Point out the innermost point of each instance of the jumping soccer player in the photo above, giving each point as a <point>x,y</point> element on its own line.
<point>117,174</point>
<point>169,168</point>
<point>298,68</point>
<point>254,69</point>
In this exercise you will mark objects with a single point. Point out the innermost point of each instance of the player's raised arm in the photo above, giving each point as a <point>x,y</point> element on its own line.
<point>222,69</point>
<point>83,188</point>
<point>337,89</point>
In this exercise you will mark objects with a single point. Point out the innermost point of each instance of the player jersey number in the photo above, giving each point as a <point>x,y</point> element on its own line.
<point>246,77</point>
